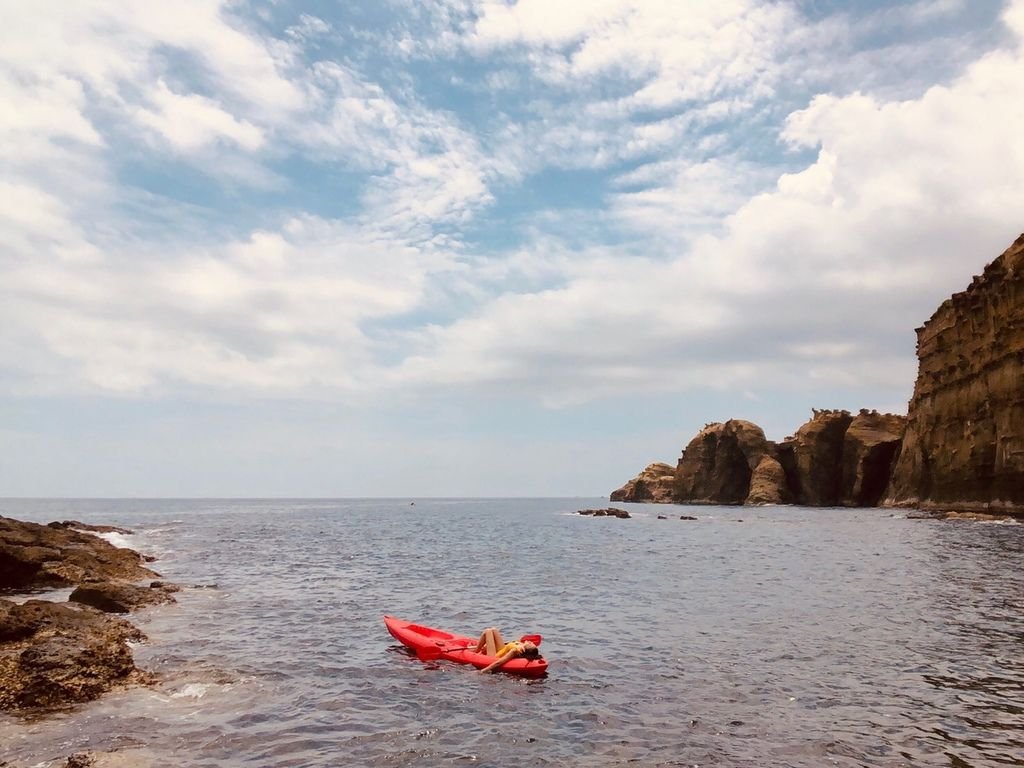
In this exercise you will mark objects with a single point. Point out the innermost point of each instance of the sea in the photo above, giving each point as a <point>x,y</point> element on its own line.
<point>749,637</point>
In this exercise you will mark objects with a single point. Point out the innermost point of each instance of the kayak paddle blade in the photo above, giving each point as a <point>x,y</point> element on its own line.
<point>535,639</point>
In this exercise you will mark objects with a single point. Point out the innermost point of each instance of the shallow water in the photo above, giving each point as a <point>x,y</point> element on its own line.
<point>750,637</point>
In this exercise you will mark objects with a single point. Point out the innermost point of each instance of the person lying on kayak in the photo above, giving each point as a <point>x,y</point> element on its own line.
<point>492,644</point>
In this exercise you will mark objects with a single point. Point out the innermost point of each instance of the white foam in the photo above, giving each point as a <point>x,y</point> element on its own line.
<point>119,540</point>
<point>192,691</point>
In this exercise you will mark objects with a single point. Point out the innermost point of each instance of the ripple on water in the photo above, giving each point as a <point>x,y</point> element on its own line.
<point>797,638</point>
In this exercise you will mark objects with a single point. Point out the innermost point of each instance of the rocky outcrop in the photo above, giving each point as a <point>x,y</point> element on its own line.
<point>717,465</point>
<point>56,654</point>
<point>33,555</point>
<point>960,449</point>
<point>654,484</point>
<point>609,512</point>
<point>768,483</point>
<point>112,597</point>
<point>813,457</point>
<point>869,450</point>
<point>833,459</point>
<point>964,444</point>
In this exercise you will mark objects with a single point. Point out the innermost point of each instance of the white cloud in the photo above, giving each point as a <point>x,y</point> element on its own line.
<point>277,313</point>
<point>812,279</point>
<point>680,51</point>
<point>846,256</point>
<point>191,122</point>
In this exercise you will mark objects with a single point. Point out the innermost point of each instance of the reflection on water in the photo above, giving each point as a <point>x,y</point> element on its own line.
<point>796,637</point>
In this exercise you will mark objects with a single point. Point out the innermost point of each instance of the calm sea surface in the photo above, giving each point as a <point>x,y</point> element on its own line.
<point>750,637</point>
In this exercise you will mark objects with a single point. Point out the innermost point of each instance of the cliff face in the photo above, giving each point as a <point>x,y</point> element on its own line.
<point>813,456</point>
<point>869,450</point>
<point>964,443</point>
<point>718,464</point>
<point>960,449</point>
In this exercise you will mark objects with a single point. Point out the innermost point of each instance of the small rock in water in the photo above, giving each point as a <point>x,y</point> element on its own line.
<point>609,512</point>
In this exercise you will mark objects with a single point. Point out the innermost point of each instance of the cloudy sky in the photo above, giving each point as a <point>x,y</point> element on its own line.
<point>476,247</point>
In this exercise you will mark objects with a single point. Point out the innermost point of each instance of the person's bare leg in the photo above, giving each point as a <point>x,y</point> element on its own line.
<point>490,642</point>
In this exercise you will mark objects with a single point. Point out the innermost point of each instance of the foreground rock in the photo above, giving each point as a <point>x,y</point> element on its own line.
<point>654,484</point>
<point>964,445</point>
<point>54,654</point>
<point>33,555</point>
<point>111,597</point>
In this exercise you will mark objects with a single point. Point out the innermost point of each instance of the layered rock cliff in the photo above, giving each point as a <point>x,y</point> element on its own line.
<point>964,443</point>
<point>961,447</point>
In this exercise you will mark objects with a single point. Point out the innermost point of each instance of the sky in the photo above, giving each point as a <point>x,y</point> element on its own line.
<point>400,248</point>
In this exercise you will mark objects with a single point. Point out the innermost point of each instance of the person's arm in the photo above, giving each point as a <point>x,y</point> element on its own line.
<point>498,663</point>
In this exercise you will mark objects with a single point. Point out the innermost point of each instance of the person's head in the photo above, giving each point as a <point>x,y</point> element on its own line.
<point>530,650</point>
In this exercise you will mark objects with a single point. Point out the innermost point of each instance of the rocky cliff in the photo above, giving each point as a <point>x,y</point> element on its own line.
<point>960,449</point>
<point>964,444</point>
<point>833,459</point>
<point>719,463</point>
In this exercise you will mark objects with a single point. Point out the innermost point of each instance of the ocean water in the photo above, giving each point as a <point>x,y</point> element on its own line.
<point>749,637</point>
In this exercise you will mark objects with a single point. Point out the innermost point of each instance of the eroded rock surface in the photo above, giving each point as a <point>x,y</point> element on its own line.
<point>835,458</point>
<point>717,465</point>
<point>54,654</point>
<point>33,555</point>
<point>654,484</point>
<point>869,451</point>
<point>768,483</point>
<point>814,456</point>
<point>964,444</point>
<point>114,597</point>
<point>960,449</point>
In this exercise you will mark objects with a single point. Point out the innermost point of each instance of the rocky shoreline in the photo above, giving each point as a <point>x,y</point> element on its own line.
<point>57,654</point>
<point>958,453</point>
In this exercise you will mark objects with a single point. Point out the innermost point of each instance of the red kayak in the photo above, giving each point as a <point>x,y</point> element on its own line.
<point>430,643</point>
